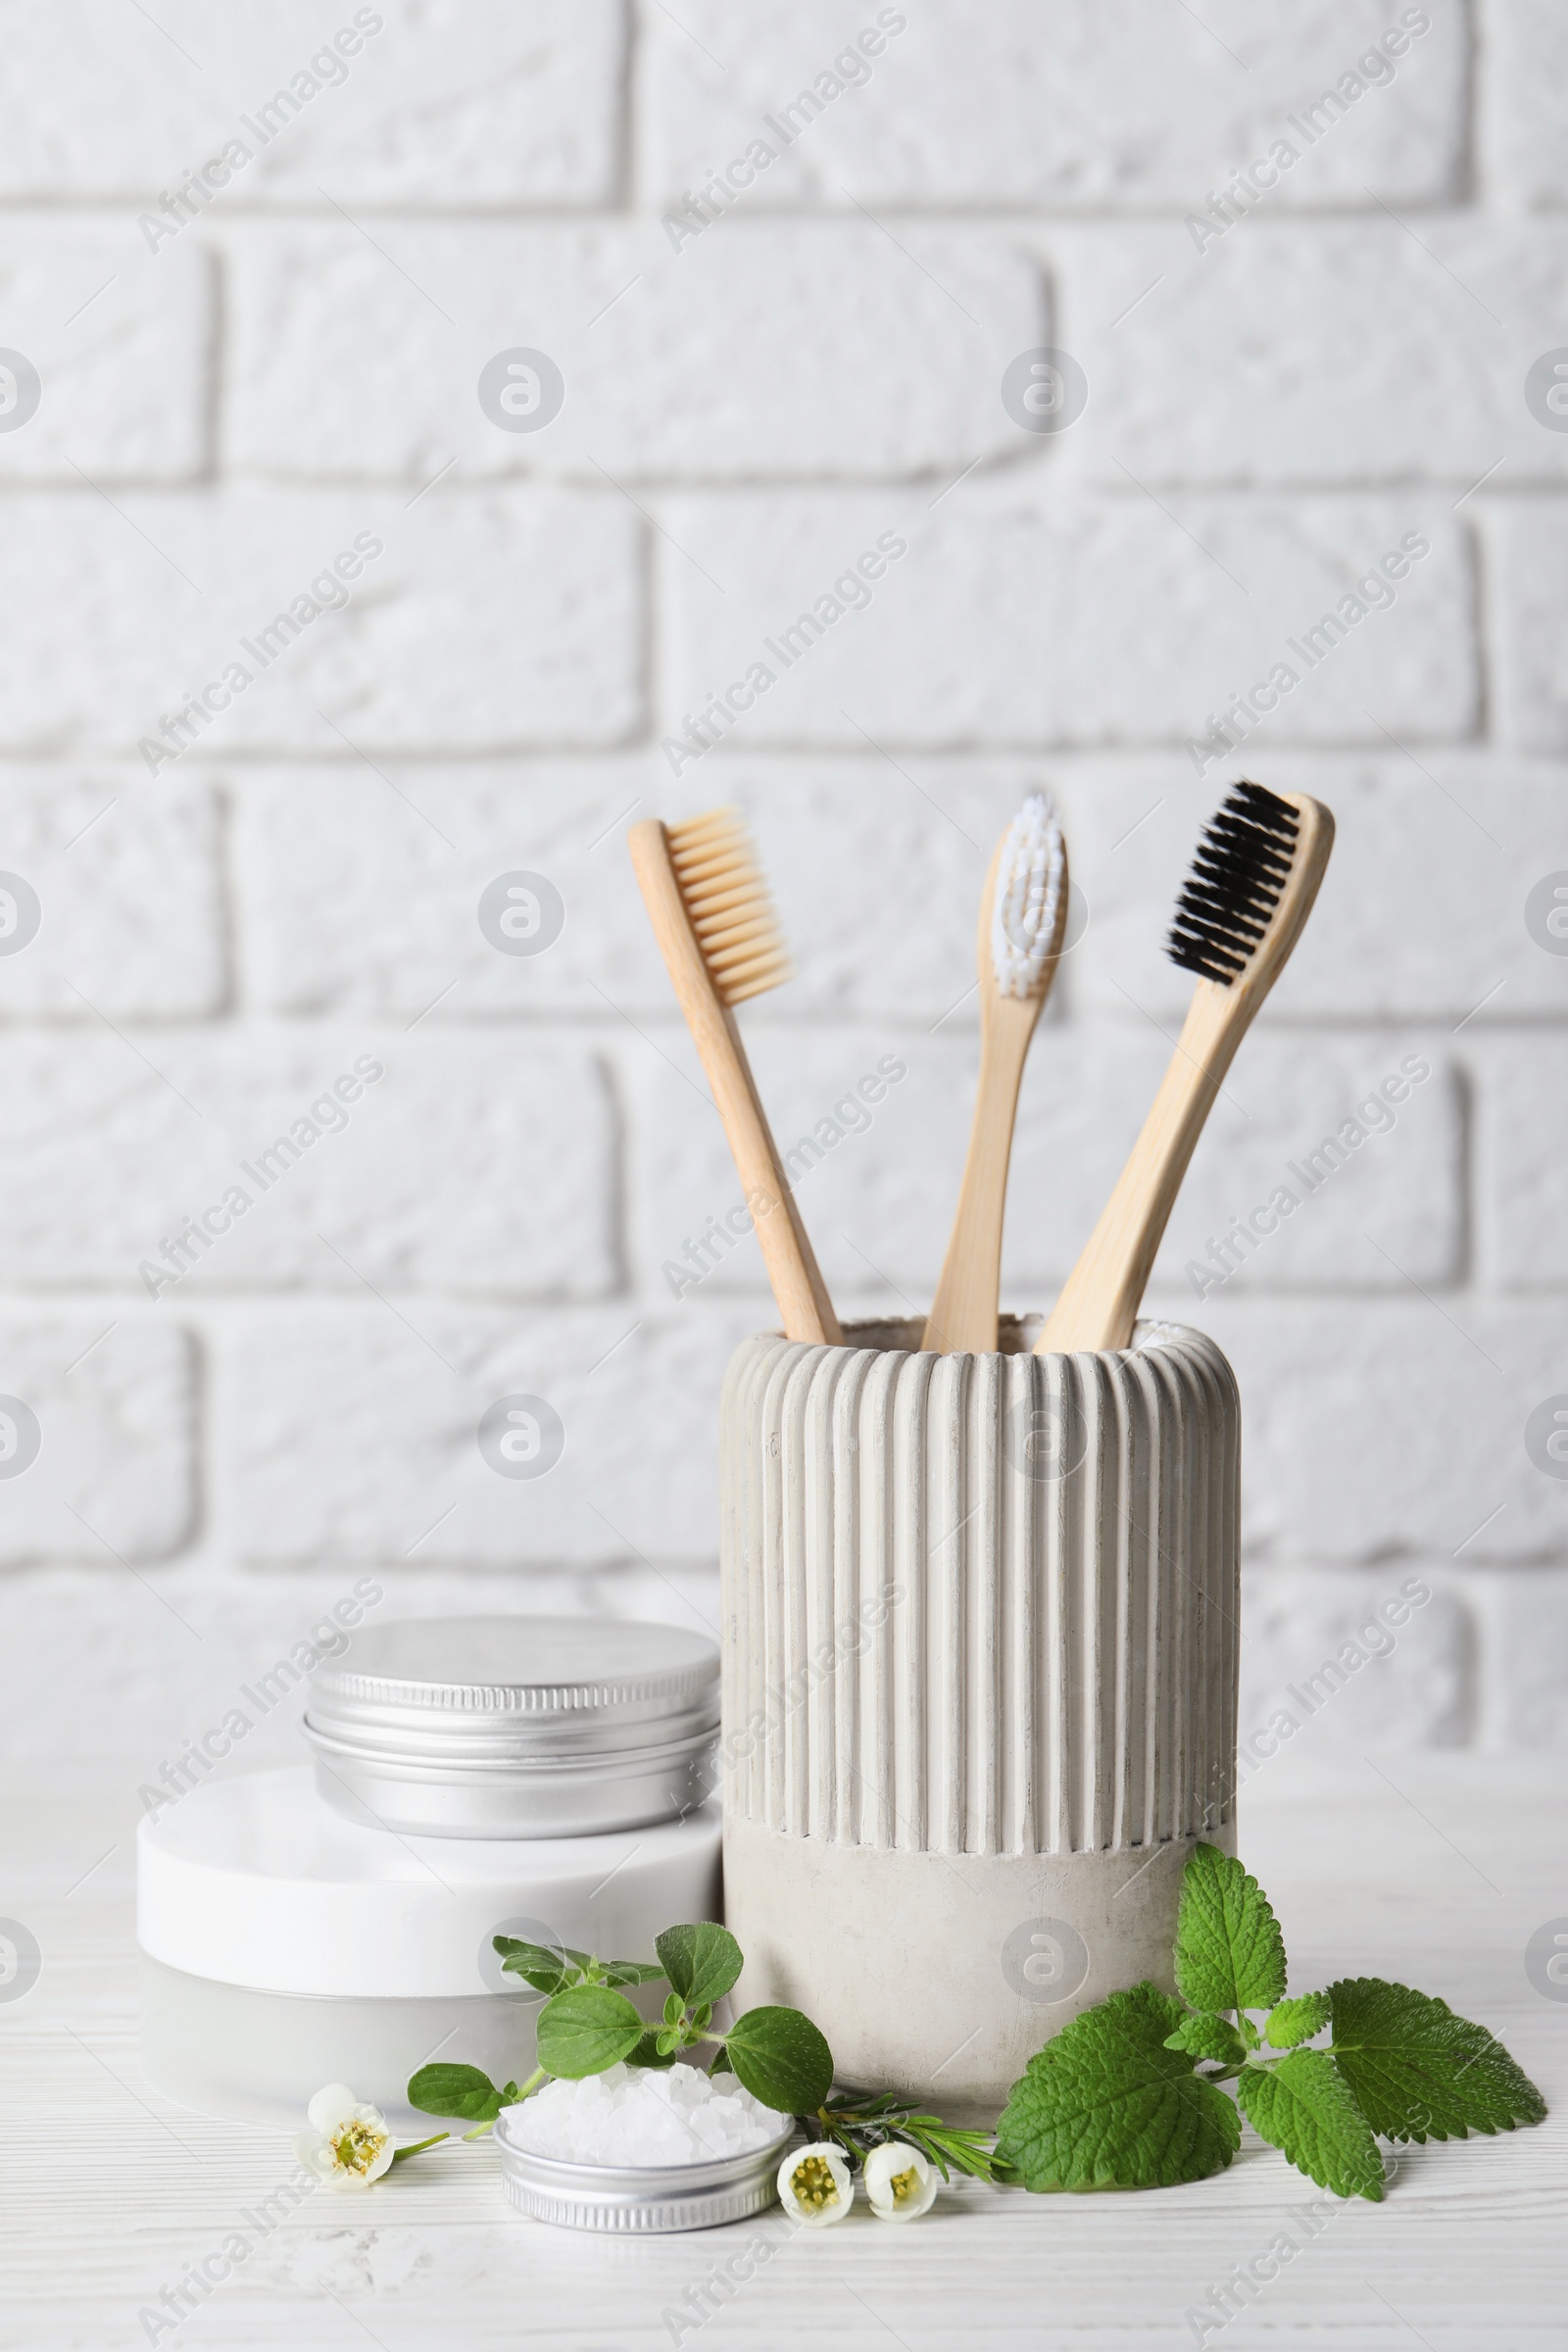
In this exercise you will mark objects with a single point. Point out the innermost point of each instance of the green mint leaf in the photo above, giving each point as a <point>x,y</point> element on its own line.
<point>546,1971</point>
<point>1230,1953</point>
<point>1106,2105</point>
<point>457,2090</point>
<point>1203,2034</point>
<point>630,1972</point>
<point>1303,2107</point>
<point>586,2028</point>
<point>700,1962</point>
<point>781,2059</point>
<point>648,2053</point>
<point>722,2064</point>
<point>1419,2072</point>
<point>1298,2020</point>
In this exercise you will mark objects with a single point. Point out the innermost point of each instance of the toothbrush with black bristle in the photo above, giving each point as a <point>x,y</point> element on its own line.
<point>1023,914</point>
<point>1251,885</point>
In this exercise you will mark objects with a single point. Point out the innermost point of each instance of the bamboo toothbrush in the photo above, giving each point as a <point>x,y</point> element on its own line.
<point>1251,885</point>
<point>1023,913</point>
<point>720,937</point>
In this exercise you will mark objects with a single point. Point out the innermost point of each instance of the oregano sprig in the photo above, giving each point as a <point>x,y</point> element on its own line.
<point>588,2024</point>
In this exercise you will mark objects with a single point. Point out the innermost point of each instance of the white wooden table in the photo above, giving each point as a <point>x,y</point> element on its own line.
<point>108,2193</point>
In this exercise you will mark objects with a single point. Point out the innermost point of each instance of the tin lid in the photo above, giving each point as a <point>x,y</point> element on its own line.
<point>515,1687</point>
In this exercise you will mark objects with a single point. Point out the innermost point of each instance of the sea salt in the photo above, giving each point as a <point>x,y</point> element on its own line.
<point>640,2115</point>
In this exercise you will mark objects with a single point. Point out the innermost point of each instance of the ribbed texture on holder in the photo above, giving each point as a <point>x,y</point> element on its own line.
<point>980,1604</point>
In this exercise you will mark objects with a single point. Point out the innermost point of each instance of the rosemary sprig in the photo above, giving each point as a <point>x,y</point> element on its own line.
<point>858,2123</point>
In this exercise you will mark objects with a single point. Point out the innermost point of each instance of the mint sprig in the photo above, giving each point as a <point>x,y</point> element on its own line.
<point>1117,2099</point>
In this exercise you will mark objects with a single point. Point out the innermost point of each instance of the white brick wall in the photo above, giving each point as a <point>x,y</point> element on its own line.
<point>232,920</point>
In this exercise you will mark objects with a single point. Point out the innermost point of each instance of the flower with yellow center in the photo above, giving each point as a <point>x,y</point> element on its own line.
<point>348,2145</point>
<point>900,2183</point>
<point>815,2185</point>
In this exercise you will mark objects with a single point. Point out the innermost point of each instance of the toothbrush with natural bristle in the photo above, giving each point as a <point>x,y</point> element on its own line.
<point>1253,882</point>
<point>720,937</point>
<point>1023,913</point>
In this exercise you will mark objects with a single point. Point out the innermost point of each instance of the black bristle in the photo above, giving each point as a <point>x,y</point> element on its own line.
<point>1240,865</point>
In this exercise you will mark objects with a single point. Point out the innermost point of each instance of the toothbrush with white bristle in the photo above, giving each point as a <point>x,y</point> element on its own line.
<point>1023,914</point>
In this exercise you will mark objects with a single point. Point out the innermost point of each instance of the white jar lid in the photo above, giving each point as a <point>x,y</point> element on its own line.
<point>254,1881</point>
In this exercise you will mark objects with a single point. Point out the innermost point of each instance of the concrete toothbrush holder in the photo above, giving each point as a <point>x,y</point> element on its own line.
<point>979,1671</point>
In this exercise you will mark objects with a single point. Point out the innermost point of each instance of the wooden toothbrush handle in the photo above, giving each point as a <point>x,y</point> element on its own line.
<point>963,1312</point>
<point>792,1269</point>
<point>1101,1298</point>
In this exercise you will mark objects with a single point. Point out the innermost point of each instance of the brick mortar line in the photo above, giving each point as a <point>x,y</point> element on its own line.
<point>1494,208</point>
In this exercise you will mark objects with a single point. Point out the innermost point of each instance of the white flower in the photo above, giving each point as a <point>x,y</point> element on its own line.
<point>899,2181</point>
<point>816,2185</point>
<point>348,2145</point>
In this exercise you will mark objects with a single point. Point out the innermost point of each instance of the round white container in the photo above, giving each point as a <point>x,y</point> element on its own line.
<point>980,1628</point>
<point>286,1946</point>
<point>515,1726</point>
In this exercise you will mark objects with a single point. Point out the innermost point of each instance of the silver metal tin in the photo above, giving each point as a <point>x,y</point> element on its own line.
<point>644,2200</point>
<point>515,1726</point>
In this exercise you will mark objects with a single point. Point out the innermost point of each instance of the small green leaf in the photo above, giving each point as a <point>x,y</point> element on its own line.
<point>1106,2105</point>
<point>546,1971</point>
<point>1203,2034</point>
<point>1305,2107</point>
<point>1419,2072</point>
<point>630,1972</point>
<point>586,2028</point>
<point>1230,1953</point>
<point>723,2065</point>
<point>781,2059</point>
<point>648,2053</point>
<point>1298,2020</point>
<point>456,2090</point>
<point>702,1962</point>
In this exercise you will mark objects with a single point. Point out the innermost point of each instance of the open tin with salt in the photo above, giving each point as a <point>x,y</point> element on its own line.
<point>515,1726</point>
<point>641,2199</point>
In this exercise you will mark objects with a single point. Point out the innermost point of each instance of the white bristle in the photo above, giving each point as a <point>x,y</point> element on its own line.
<point>1028,897</point>
<point>728,902</point>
